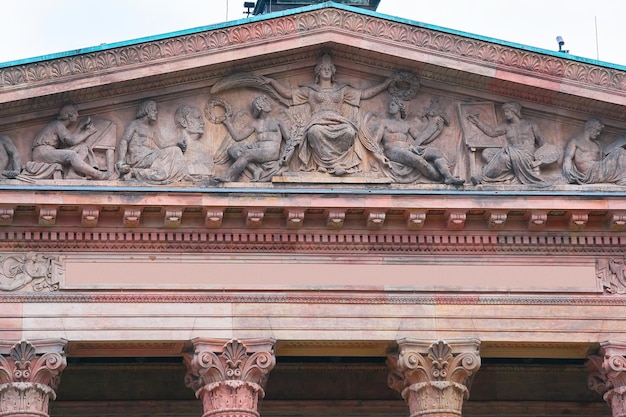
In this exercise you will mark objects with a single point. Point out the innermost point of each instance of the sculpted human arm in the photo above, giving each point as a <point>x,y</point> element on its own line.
<point>238,136</point>
<point>538,137</point>
<point>568,161</point>
<point>83,131</point>
<point>431,132</point>
<point>375,89</point>
<point>281,89</point>
<point>492,131</point>
<point>14,166</point>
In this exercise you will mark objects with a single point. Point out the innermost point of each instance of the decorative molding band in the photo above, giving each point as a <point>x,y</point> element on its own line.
<point>408,36</point>
<point>244,241</point>
<point>314,298</point>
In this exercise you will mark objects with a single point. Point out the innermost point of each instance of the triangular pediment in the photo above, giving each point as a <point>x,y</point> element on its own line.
<point>445,80</point>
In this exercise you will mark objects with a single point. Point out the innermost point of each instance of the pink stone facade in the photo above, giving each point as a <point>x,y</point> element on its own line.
<point>399,214</point>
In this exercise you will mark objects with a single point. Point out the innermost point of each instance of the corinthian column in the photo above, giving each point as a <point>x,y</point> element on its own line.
<point>433,378</point>
<point>29,375</point>
<point>607,375</point>
<point>229,376</point>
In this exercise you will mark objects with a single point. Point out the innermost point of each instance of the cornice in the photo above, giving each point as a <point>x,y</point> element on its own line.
<point>167,55</point>
<point>318,297</point>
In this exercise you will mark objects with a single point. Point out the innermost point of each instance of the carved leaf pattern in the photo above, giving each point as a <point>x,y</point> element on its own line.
<point>465,48</point>
<point>37,72</point>
<point>240,35</point>
<point>60,68</point>
<point>307,22</point>
<point>397,33</point>
<point>218,39</point>
<point>330,18</point>
<point>14,77</point>
<point>440,353</point>
<point>599,76</point>
<point>263,31</point>
<point>420,37</point>
<point>443,43</point>
<point>531,62</point>
<point>150,52</point>
<point>355,23</point>
<point>554,67</point>
<point>375,28</point>
<point>174,47</point>
<point>488,53</point>
<point>509,57</point>
<point>285,26</point>
<point>618,81</point>
<point>129,56</point>
<point>83,65</point>
<point>196,43</point>
<point>576,72</point>
<point>106,60</point>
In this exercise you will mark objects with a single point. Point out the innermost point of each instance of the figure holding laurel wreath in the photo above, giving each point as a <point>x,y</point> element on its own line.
<point>269,133</point>
<point>585,162</point>
<point>142,153</point>
<point>406,151</point>
<point>329,137</point>
<point>517,160</point>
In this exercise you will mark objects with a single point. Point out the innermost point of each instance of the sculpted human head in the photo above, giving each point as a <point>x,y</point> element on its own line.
<point>514,107</point>
<point>261,104</point>
<point>147,108</point>
<point>396,103</point>
<point>325,63</point>
<point>190,119</point>
<point>68,112</point>
<point>593,127</point>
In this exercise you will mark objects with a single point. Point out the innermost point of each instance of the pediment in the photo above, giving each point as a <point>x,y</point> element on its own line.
<point>344,137</point>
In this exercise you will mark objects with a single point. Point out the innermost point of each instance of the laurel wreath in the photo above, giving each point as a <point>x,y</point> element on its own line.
<point>209,110</point>
<point>404,85</point>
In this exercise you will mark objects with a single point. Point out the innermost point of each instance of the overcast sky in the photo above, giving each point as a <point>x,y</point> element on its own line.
<point>33,28</point>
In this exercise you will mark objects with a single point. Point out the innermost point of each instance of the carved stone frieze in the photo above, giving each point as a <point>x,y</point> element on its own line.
<point>611,273</point>
<point>433,378</point>
<point>29,376</point>
<point>229,376</point>
<point>410,36</point>
<point>607,376</point>
<point>30,271</point>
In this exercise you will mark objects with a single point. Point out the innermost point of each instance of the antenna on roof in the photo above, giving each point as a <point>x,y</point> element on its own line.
<point>248,5</point>
<point>561,42</point>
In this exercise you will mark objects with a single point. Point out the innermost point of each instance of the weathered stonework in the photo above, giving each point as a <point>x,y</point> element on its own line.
<point>29,376</point>
<point>229,376</point>
<point>607,375</point>
<point>433,378</point>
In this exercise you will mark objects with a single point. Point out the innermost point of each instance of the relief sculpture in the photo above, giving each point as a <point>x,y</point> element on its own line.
<point>10,159</point>
<point>59,152</point>
<point>517,161</point>
<point>143,153</point>
<point>261,155</point>
<point>407,152</point>
<point>328,139</point>
<point>30,271</point>
<point>290,128</point>
<point>585,162</point>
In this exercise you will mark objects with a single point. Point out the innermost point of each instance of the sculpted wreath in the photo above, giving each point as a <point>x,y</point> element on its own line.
<point>404,85</point>
<point>209,110</point>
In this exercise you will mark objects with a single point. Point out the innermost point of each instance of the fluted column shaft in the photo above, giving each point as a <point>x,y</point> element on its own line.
<point>29,376</point>
<point>229,376</point>
<point>608,375</point>
<point>433,378</point>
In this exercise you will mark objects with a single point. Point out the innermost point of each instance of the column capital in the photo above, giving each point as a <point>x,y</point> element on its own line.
<point>433,377</point>
<point>607,375</point>
<point>229,375</point>
<point>29,375</point>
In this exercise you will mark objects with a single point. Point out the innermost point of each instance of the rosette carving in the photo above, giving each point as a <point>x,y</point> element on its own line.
<point>229,377</point>
<point>433,378</point>
<point>607,376</point>
<point>29,375</point>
